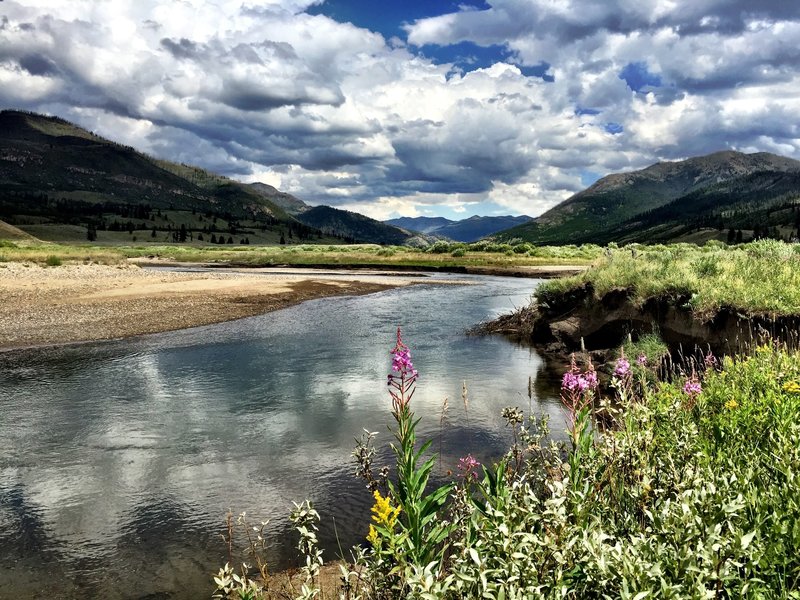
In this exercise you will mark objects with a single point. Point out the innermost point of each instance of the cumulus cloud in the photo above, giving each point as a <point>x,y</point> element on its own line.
<point>337,114</point>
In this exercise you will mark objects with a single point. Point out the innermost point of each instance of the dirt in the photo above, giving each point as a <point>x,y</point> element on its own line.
<point>579,320</point>
<point>75,303</point>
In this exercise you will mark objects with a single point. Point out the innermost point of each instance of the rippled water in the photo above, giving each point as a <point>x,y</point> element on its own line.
<point>118,461</point>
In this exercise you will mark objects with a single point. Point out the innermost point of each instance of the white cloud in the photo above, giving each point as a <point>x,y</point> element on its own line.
<point>337,114</point>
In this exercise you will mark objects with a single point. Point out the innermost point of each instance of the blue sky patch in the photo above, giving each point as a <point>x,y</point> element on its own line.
<point>637,76</point>
<point>387,18</point>
<point>614,128</point>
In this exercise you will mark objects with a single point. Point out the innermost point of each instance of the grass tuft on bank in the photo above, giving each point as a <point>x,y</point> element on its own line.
<point>760,278</point>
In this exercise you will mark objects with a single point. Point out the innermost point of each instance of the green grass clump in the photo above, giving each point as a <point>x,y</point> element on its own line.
<point>53,261</point>
<point>759,278</point>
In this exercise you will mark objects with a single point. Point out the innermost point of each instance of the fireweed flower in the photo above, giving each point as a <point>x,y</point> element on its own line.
<point>692,387</point>
<point>576,390</point>
<point>575,381</point>
<point>622,368</point>
<point>403,375</point>
<point>710,360</point>
<point>641,360</point>
<point>468,467</point>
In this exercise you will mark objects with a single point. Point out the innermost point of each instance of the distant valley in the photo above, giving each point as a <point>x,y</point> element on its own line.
<point>471,229</point>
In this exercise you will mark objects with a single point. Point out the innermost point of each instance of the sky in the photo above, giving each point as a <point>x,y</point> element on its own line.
<point>408,107</point>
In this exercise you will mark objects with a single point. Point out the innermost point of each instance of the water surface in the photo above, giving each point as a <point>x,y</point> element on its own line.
<point>119,460</point>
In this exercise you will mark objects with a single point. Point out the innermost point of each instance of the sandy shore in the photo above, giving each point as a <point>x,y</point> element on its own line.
<point>74,303</point>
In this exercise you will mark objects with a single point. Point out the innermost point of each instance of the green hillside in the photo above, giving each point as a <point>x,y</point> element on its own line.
<point>672,201</point>
<point>56,177</point>
<point>352,227</point>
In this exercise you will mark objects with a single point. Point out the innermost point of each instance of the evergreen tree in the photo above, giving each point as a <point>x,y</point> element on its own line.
<point>731,236</point>
<point>91,232</point>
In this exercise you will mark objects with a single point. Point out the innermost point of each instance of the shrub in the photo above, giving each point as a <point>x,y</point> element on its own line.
<point>52,261</point>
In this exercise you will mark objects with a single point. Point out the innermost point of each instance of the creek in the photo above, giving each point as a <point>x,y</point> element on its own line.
<point>119,460</point>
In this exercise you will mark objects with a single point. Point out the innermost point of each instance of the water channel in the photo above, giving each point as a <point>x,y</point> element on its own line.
<point>119,460</point>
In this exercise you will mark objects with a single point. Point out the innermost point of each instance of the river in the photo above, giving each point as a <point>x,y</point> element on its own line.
<point>119,460</point>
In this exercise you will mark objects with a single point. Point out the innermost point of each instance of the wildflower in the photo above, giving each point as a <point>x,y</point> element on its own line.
<point>468,467</point>
<point>403,377</point>
<point>383,513</point>
<point>692,387</point>
<point>372,536</point>
<point>622,368</point>
<point>731,404</point>
<point>575,381</point>
<point>791,387</point>
<point>710,360</point>
<point>641,360</point>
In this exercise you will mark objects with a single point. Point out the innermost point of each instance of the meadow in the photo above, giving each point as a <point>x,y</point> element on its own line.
<point>673,479</point>
<point>439,255</point>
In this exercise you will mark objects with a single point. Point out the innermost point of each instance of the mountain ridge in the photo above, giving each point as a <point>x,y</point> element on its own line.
<point>55,172</point>
<point>616,207</point>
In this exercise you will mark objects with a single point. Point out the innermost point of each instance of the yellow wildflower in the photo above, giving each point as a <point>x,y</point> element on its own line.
<point>792,387</point>
<point>372,536</point>
<point>731,404</point>
<point>383,513</point>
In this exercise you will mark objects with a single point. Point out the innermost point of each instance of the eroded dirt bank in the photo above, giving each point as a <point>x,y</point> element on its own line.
<point>601,325</point>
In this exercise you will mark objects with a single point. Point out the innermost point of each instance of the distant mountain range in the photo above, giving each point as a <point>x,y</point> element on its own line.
<point>53,172</point>
<point>471,229</point>
<point>56,177</point>
<point>717,195</point>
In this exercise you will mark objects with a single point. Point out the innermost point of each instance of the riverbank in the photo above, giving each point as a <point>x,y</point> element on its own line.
<point>77,303</point>
<point>717,298</point>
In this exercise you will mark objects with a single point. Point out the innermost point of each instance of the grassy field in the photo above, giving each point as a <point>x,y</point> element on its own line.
<point>762,277</point>
<point>473,255</point>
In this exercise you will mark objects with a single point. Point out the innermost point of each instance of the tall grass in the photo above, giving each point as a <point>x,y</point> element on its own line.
<point>760,278</point>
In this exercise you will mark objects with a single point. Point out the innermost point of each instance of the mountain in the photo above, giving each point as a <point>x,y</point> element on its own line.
<point>466,230</point>
<point>287,202</point>
<point>475,228</point>
<point>9,232</point>
<point>48,165</point>
<point>420,224</point>
<point>56,176</point>
<point>352,226</point>
<point>671,200</point>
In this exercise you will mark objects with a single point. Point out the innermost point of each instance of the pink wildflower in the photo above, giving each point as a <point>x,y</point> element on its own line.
<point>622,368</point>
<point>575,381</point>
<point>404,376</point>
<point>641,360</point>
<point>692,387</point>
<point>468,467</point>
